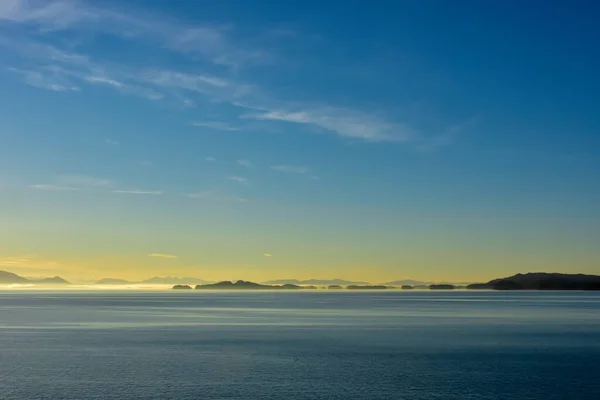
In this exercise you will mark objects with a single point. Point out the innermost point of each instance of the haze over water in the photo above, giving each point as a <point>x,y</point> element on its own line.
<point>301,345</point>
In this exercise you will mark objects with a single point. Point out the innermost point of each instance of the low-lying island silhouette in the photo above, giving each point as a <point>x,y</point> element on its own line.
<point>182,287</point>
<point>528,281</point>
<point>366,287</point>
<point>442,287</point>
<point>245,285</point>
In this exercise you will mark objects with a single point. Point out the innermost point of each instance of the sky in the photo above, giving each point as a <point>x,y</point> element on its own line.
<point>371,141</point>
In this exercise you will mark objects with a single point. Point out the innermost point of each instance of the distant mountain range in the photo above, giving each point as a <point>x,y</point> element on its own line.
<point>10,278</point>
<point>157,280</point>
<point>314,282</point>
<point>528,281</point>
<point>343,282</point>
<point>112,281</point>
<point>56,280</point>
<point>171,280</point>
<point>542,281</point>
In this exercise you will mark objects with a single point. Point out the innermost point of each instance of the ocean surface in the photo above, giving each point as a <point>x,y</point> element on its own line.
<point>299,345</point>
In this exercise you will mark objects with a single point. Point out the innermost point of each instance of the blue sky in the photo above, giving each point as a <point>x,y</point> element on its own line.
<point>370,141</point>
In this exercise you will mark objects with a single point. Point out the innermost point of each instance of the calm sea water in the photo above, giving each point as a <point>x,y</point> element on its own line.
<point>299,345</point>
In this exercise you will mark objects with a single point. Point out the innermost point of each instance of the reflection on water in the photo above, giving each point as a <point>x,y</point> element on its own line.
<point>329,345</point>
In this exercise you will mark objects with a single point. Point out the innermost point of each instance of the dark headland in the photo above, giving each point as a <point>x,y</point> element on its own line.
<point>542,281</point>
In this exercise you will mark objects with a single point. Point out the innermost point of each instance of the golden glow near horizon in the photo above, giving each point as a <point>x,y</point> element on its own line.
<point>137,268</point>
<point>216,242</point>
<point>92,237</point>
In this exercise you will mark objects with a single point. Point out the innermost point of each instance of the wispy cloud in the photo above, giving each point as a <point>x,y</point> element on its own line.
<point>244,163</point>
<point>124,88</point>
<point>160,255</point>
<point>53,187</point>
<point>50,187</point>
<point>82,181</point>
<point>210,42</point>
<point>447,137</point>
<point>220,126</point>
<point>139,192</point>
<point>238,179</point>
<point>211,49</point>
<point>55,13</point>
<point>205,194</point>
<point>104,81</point>
<point>15,260</point>
<point>192,82</point>
<point>293,169</point>
<point>268,255</point>
<point>343,122</point>
<point>189,103</point>
<point>46,80</point>
<point>217,89</point>
<point>211,195</point>
<point>57,69</point>
<point>111,142</point>
<point>29,262</point>
<point>210,159</point>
